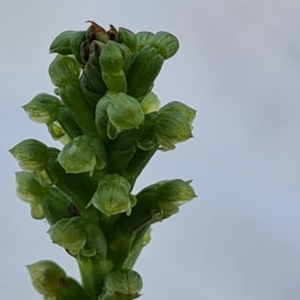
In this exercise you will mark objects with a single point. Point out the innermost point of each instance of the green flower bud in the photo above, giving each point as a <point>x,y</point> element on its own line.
<point>64,70</point>
<point>164,198</point>
<point>128,38</point>
<point>150,103</point>
<point>143,71</point>
<point>32,155</point>
<point>36,211</point>
<point>166,43</point>
<point>42,108</point>
<point>144,38</point>
<point>111,58</point>
<point>79,237</point>
<point>112,62</point>
<point>175,106</point>
<point>28,188</point>
<point>78,156</point>
<point>61,43</point>
<point>170,128</point>
<point>123,281</point>
<point>47,277</point>
<point>115,82</point>
<point>116,112</point>
<point>113,195</point>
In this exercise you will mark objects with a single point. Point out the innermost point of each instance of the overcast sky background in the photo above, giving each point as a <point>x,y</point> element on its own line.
<point>239,66</point>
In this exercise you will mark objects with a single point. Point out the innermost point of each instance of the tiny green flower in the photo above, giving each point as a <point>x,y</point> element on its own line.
<point>42,108</point>
<point>32,155</point>
<point>28,188</point>
<point>113,195</point>
<point>70,234</point>
<point>63,70</point>
<point>79,237</point>
<point>173,193</point>
<point>150,103</point>
<point>170,128</point>
<point>78,156</point>
<point>165,197</point>
<point>124,112</point>
<point>188,113</point>
<point>116,112</point>
<point>123,281</point>
<point>47,277</point>
<point>166,43</point>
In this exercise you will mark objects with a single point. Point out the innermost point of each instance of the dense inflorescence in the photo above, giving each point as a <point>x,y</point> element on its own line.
<point>110,123</point>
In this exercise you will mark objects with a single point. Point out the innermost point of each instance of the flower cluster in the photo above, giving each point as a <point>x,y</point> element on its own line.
<point>110,124</point>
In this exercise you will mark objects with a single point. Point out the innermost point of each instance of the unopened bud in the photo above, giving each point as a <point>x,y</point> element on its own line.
<point>47,277</point>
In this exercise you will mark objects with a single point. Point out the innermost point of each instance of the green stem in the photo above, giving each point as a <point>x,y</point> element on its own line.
<point>87,277</point>
<point>137,164</point>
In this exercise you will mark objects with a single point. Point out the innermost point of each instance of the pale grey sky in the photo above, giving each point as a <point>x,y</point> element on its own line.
<point>239,66</point>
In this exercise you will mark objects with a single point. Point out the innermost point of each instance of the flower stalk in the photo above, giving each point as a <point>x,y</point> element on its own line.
<point>110,124</point>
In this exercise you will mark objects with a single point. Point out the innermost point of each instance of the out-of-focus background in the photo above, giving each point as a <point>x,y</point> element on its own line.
<point>239,66</point>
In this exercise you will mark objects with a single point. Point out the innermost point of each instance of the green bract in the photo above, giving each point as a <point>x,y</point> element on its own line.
<point>111,124</point>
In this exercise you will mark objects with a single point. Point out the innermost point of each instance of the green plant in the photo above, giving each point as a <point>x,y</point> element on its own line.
<point>111,124</point>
